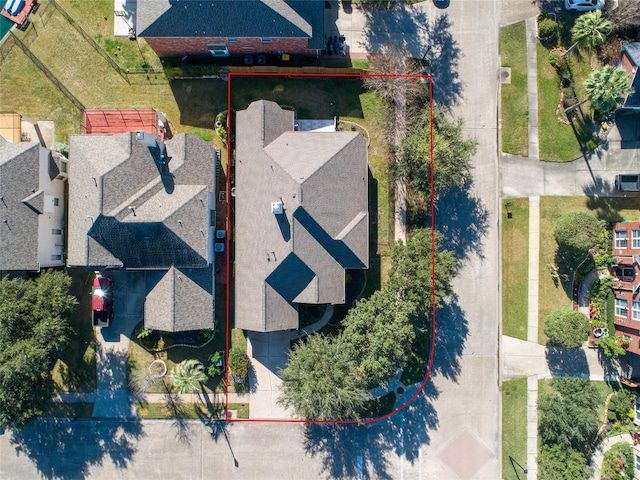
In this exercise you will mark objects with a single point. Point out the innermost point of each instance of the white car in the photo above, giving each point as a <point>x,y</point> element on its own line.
<point>583,5</point>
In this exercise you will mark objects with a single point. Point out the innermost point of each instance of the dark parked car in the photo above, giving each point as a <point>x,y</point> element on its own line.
<point>102,301</point>
<point>629,182</point>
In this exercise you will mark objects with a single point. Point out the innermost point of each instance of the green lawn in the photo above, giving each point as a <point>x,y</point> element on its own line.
<point>514,106</point>
<point>514,426</point>
<point>608,209</point>
<point>186,410</point>
<point>75,370</point>
<point>515,268</point>
<point>188,104</point>
<point>561,141</point>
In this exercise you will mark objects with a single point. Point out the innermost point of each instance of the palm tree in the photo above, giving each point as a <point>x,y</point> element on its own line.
<point>188,376</point>
<point>591,29</point>
<point>606,87</point>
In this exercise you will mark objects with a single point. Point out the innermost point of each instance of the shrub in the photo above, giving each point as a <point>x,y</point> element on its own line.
<point>547,28</point>
<point>556,59</point>
<point>621,406</point>
<point>567,328</point>
<point>222,132</point>
<point>611,346</point>
<point>239,365</point>
<point>618,462</point>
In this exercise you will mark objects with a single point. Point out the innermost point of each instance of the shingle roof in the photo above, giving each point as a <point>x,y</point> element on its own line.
<point>232,18</point>
<point>20,202</point>
<point>129,209</point>
<point>301,255</point>
<point>179,299</point>
<point>633,51</point>
<point>141,207</point>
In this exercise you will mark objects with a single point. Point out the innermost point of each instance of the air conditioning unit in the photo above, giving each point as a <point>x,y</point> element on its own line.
<point>222,196</point>
<point>218,247</point>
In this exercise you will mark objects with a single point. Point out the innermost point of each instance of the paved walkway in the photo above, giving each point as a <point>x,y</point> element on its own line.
<point>601,449</point>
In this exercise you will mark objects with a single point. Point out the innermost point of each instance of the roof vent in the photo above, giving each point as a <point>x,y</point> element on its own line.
<point>277,208</point>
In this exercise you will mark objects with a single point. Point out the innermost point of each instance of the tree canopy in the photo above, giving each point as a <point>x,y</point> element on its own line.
<point>560,463</point>
<point>590,29</point>
<point>188,376</point>
<point>410,276</point>
<point>452,154</point>
<point>567,328</point>
<point>328,377</point>
<point>34,331</point>
<point>322,380</point>
<point>606,87</point>
<point>576,233</point>
<point>569,418</point>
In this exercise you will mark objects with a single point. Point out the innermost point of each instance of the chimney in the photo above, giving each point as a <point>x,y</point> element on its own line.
<point>146,139</point>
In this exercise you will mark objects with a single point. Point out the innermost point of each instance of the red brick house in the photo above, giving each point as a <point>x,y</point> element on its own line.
<point>626,249</point>
<point>231,27</point>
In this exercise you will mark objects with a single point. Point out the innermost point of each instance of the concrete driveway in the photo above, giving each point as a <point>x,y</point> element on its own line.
<point>591,175</point>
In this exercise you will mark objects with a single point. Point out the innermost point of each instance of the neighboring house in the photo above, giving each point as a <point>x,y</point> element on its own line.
<point>139,204</point>
<point>31,206</point>
<point>301,211</point>
<point>626,250</point>
<point>630,62</point>
<point>223,27</point>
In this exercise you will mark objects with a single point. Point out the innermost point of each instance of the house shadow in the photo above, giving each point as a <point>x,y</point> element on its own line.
<point>404,433</point>
<point>64,448</point>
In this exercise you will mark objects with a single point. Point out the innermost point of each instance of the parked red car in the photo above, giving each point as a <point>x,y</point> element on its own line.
<point>102,301</point>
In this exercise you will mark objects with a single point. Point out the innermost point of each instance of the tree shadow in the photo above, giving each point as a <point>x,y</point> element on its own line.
<point>64,448</point>
<point>404,433</point>
<point>567,361</point>
<point>452,329</point>
<point>409,29</point>
<point>462,219</point>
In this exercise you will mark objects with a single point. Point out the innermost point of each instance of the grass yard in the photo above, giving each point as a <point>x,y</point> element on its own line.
<point>187,410</point>
<point>605,208</point>
<point>559,141</point>
<point>515,269</point>
<point>514,426</point>
<point>95,83</point>
<point>75,370</point>
<point>25,89</point>
<point>514,106</point>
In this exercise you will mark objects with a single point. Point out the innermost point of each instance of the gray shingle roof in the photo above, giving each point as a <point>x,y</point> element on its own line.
<point>132,207</point>
<point>633,51</point>
<point>19,204</point>
<point>139,213</point>
<point>179,299</point>
<point>232,18</point>
<point>301,255</point>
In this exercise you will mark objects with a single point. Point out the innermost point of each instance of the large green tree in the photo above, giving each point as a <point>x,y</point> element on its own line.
<point>569,418</point>
<point>567,328</point>
<point>452,154</point>
<point>590,29</point>
<point>34,331</point>
<point>322,380</point>
<point>380,329</point>
<point>560,463</point>
<point>606,87</point>
<point>576,233</point>
<point>410,276</point>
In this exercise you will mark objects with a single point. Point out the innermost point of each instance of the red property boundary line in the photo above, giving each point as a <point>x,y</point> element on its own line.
<point>228,249</point>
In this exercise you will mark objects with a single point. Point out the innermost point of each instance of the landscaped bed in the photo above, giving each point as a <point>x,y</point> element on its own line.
<point>188,410</point>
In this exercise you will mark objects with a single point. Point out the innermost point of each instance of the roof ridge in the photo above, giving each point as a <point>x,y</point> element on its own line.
<point>288,13</point>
